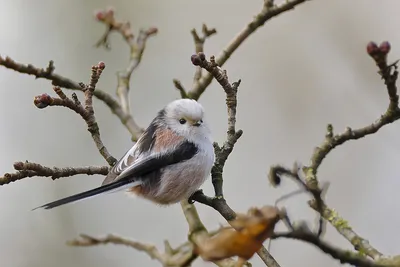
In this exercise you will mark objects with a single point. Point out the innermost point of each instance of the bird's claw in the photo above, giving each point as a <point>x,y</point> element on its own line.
<point>191,198</point>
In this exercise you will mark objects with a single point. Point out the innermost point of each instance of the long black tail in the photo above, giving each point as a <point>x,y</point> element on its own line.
<point>120,184</point>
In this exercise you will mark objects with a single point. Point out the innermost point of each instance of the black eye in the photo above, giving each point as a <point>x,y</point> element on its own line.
<point>182,121</point>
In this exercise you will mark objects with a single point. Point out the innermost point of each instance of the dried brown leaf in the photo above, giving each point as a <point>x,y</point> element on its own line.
<point>245,238</point>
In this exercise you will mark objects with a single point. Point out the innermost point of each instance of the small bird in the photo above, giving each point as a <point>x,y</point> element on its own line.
<point>168,163</point>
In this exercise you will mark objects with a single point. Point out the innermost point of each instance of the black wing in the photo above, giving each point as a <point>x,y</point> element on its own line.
<point>140,168</point>
<point>145,143</point>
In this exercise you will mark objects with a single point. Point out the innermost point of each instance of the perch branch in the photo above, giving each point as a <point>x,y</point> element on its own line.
<point>218,202</point>
<point>30,169</point>
<point>268,12</point>
<point>58,80</point>
<point>223,152</point>
<point>190,211</point>
<point>86,111</point>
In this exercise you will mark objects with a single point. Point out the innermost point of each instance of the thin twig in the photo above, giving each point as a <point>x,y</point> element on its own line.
<point>30,169</point>
<point>199,47</point>
<point>86,111</point>
<point>389,75</point>
<point>61,81</point>
<point>268,12</point>
<point>107,17</point>
<point>277,172</point>
<point>181,256</point>
<point>181,89</point>
<point>137,48</point>
<point>86,240</point>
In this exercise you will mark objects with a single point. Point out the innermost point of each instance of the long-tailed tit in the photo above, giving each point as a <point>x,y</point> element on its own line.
<point>168,163</point>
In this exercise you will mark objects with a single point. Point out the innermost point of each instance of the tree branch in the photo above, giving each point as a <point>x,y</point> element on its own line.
<point>136,51</point>
<point>277,172</point>
<point>199,48</point>
<point>389,74</point>
<point>222,153</point>
<point>180,88</point>
<point>58,80</point>
<point>197,231</point>
<point>344,256</point>
<point>182,256</point>
<point>151,250</point>
<point>30,169</point>
<point>342,226</point>
<point>137,48</point>
<point>268,12</point>
<point>86,111</point>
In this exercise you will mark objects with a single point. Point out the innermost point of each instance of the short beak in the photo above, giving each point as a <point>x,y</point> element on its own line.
<point>197,123</point>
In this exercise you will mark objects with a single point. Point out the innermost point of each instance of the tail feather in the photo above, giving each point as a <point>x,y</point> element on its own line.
<point>108,188</point>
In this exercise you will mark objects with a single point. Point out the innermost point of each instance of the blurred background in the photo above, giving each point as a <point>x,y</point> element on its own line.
<point>302,70</point>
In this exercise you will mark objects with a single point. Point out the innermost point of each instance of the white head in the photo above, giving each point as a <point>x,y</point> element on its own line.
<point>186,117</point>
